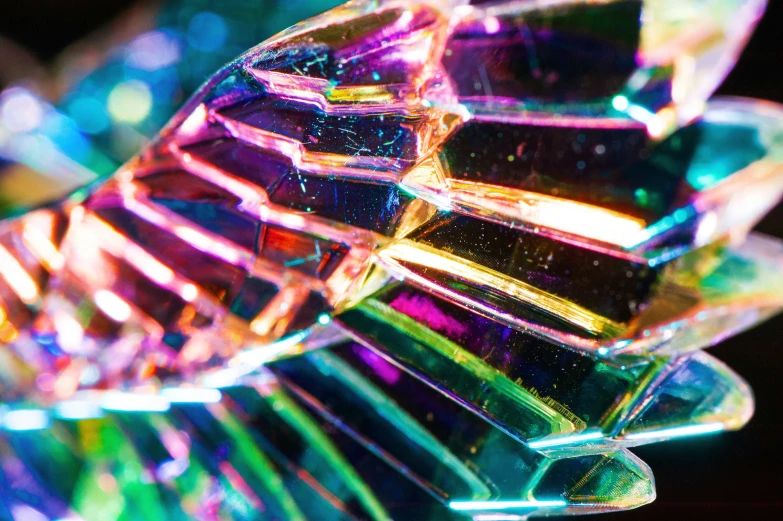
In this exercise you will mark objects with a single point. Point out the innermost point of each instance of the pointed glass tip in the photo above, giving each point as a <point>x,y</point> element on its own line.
<point>651,63</point>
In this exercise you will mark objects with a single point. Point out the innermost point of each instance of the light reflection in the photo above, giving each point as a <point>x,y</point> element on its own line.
<point>171,469</point>
<point>17,277</point>
<point>191,395</point>
<point>112,305</point>
<point>620,103</point>
<point>566,440</point>
<point>498,517</point>
<point>189,292</point>
<point>78,410</point>
<point>467,506</point>
<point>69,332</point>
<point>132,402</point>
<point>25,420</point>
<point>667,223</point>
<point>480,276</point>
<point>256,357</point>
<point>26,513</point>
<point>207,244</point>
<point>584,220</point>
<point>195,122</point>
<point>678,432</point>
<point>43,248</point>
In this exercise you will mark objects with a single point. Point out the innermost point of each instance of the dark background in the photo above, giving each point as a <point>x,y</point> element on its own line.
<point>728,476</point>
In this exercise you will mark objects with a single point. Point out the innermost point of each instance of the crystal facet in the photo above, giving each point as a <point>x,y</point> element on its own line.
<point>426,259</point>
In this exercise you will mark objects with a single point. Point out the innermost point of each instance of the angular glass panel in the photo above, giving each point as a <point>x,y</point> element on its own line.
<point>541,393</point>
<point>645,61</point>
<point>270,449</point>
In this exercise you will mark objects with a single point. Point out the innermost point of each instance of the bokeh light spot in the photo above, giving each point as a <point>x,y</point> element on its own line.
<point>207,31</point>
<point>130,101</point>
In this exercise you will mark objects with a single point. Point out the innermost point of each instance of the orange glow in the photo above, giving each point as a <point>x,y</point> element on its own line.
<point>584,220</point>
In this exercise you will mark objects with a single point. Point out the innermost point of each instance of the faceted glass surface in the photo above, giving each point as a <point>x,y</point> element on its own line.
<point>355,278</point>
<point>648,61</point>
<point>615,187</point>
<point>274,448</point>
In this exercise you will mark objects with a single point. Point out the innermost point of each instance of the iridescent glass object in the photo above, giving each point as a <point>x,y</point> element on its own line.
<point>406,260</point>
